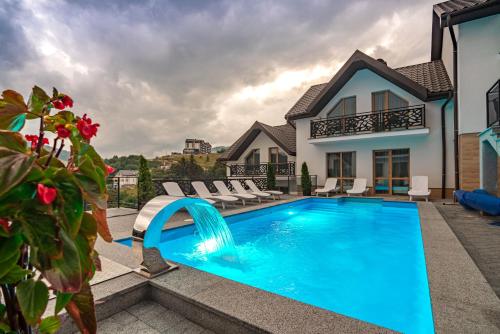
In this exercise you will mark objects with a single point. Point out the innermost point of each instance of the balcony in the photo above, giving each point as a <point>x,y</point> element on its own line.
<point>370,124</point>
<point>285,169</point>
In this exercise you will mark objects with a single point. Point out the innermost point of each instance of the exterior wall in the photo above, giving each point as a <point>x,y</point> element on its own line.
<point>478,69</point>
<point>425,150</point>
<point>468,152</point>
<point>447,51</point>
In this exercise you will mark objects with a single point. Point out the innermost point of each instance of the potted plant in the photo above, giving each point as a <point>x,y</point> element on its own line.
<point>46,237</point>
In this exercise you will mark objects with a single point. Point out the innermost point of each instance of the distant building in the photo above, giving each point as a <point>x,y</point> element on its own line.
<point>126,178</point>
<point>196,146</point>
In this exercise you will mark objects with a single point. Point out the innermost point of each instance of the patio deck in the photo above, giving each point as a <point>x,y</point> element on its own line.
<point>480,236</point>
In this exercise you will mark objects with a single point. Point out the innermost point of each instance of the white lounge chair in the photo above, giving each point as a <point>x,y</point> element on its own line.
<point>223,190</point>
<point>358,188</point>
<point>253,187</point>
<point>173,190</point>
<point>202,191</point>
<point>238,188</point>
<point>330,187</point>
<point>419,187</point>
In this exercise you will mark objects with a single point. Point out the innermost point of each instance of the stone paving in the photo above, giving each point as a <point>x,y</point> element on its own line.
<point>480,236</point>
<point>149,317</point>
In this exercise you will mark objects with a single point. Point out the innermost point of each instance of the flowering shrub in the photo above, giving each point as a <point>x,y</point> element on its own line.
<point>46,238</point>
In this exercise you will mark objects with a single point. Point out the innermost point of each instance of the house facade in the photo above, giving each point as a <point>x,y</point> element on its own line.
<point>388,124</point>
<point>125,177</point>
<point>196,146</point>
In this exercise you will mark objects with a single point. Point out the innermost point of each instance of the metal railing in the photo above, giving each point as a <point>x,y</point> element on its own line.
<point>493,105</point>
<point>125,193</point>
<point>283,169</point>
<point>369,122</point>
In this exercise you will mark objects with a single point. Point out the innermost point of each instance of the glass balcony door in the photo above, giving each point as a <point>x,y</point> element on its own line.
<point>342,165</point>
<point>391,169</point>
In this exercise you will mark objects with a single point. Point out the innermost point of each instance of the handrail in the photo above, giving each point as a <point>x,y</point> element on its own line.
<point>369,122</point>
<point>372,112</point>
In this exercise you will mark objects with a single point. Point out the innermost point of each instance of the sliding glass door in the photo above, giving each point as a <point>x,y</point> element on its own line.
<point>391,169</point>
<point>342,165</point>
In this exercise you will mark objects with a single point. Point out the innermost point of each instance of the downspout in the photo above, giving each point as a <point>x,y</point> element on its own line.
<point>443,145</point>
<point>455,100</point>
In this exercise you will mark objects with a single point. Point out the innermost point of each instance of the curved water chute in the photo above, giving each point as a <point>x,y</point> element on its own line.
<point>216,238</point>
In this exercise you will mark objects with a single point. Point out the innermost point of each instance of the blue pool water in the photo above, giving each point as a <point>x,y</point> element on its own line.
<point>361,258</point>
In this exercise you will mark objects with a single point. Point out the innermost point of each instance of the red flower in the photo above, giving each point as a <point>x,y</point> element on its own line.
<point>34,140</point>
<point>45,194</point>
<point>110,169</point>
<point>86,128</point>
<point>62,132</point>
<point>58,104</point>
<point>68,101</point>
<point>4,223</point>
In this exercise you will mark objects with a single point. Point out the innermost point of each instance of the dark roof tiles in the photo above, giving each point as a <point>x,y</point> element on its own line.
<point>453,6</point>
<point>431,75</point>
<point>301,105</point>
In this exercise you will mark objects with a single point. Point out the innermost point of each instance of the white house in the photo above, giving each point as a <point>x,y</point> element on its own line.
<point>126,178</point>
<point>387,124</point>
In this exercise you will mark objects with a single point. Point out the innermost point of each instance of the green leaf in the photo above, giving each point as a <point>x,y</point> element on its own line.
<point>71,199</point>
<point>14,275</point>
<point>13,141</point>
<point>50,325</point>
<point>81,309</point>
<point>14,166</point>
<point>9,248</point>
<point>42,233</point>
<point>3,308</point>
<point>66,272</point>
<point>62,299</point>
<point>4,328</point>
<point>38,99</point>
<point>12,111</point>
<point>33,297</point>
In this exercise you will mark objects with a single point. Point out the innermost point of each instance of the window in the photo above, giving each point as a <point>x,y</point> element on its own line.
<point>391,169</point>
<point>253,158</point>
<point>342,165</point>
<point>277,156</point>
<point>386,99</point>
<point>345,107</point>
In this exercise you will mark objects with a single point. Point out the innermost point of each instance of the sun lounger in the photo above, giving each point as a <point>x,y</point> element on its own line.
<point>223,190</point>
<point>173,189</point>
<point>358,188</point>
<point>419,187</point>
<point>253,187</point>
<point>238,188</point>
<point>330,187</point>
<point>202,191</point>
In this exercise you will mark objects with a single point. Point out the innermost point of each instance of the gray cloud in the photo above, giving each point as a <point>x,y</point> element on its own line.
<point>155,72</point>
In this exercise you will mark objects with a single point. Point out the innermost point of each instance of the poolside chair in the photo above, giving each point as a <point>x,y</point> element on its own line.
<point>202,191</point>
<point>173,189</point>
<point>330,187</point>
<point>419,187</point>
<point>238,188</point>
<point>223,190</point>
<point>253,187</point>
<point>358,188</point>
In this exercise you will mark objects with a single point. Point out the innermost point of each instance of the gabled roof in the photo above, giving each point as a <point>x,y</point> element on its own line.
<point>427,81</point>
<point>459,11</point>
<point>282,135</point>
<point>465,10</point>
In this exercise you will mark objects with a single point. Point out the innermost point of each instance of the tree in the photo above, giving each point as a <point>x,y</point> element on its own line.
<point>271,177</point>
<point>217,171</point>
<point>46,235</point>
<point>305,180</point>
<point>186,169</point>
<point>145,186</point>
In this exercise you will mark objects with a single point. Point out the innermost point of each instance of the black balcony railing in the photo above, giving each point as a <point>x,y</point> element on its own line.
<point>375,121</point>
<point>493,105</point>
<point>284,169</point>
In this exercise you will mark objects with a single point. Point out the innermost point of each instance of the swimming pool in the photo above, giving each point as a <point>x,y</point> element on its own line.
<point>362,258</point>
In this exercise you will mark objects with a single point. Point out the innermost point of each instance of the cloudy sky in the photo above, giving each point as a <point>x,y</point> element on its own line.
<point>155,72</point>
